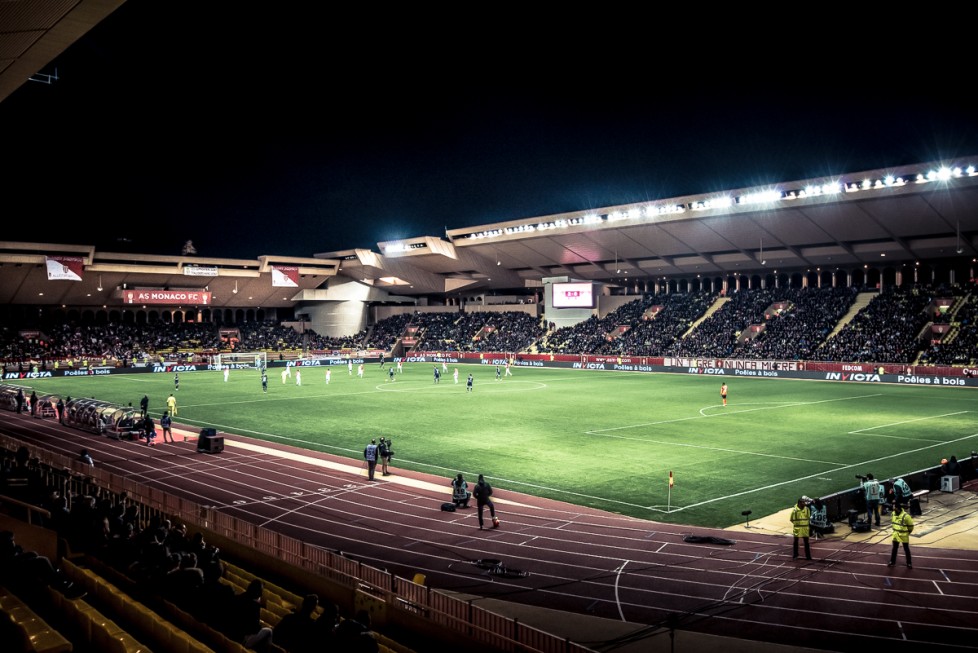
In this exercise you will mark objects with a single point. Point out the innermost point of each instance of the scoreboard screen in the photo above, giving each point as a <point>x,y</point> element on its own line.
<point>573,295</point>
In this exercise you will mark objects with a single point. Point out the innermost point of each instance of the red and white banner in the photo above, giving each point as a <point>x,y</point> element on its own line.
<point>285,277</point>
<point>166,297</point>
<point>64,267</point>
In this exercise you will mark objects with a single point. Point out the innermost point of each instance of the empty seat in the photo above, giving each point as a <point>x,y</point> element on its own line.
<point>49,640</point>
<point>104,632</point>
<point>33,633</point>
<point>123,642</point>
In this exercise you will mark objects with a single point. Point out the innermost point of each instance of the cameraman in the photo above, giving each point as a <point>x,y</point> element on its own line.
<point>871,489</point>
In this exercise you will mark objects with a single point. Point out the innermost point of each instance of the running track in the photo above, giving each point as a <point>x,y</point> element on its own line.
<point>563,556</point>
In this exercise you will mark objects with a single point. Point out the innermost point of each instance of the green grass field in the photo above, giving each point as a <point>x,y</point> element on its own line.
<point>595,438</point>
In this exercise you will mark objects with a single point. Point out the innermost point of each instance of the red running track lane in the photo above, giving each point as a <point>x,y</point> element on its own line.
<point>575,559</point>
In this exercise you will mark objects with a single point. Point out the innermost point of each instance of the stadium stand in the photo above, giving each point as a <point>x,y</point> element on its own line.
<point>126,608</point>
<point>789,323</point>
<point>148,622</point>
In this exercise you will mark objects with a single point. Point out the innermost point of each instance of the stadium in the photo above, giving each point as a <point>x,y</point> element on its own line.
<point>639,509</point>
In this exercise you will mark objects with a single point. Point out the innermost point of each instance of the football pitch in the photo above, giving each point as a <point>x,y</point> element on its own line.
<point>607,440</point>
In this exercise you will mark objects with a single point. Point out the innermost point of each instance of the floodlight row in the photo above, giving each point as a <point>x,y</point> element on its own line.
<point>767,197</point>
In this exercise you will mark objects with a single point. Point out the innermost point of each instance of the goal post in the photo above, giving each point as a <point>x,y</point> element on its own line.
<point>244,359</point>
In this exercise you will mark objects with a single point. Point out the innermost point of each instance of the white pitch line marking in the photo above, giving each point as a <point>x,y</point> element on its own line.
<point>907,421</point>
<point>732,412</point>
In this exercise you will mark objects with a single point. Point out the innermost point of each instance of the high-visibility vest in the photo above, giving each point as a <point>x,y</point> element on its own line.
<point>902,526</point>
<point>800,519</point>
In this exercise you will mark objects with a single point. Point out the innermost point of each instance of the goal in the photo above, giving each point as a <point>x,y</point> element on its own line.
<point>240,360</point>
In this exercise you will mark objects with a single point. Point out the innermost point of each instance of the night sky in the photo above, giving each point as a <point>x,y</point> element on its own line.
<point>291,134</point>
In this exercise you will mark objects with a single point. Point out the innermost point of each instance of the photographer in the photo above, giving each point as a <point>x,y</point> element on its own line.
<point>901,491</point>
<point>460,491</point>
<point>819,520</point>
<point>871,490</point>
<point>386,452</point>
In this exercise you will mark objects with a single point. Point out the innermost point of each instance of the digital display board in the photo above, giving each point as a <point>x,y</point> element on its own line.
<point>573,295</point>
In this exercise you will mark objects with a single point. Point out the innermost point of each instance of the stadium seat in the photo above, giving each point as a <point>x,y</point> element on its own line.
<point>159,630</point>
<point>181,642</point>
<point>234,570</point>
<point>31,633</point>
<point>78,613</point>
<point>95,624</point>
<point>273,592</point>
<point>228,645</point>
<point>21,614</point>
<point>105,633</point>
<point>102,633</point>
<point>110,595</point>
<point>123,642</point>
<point>269,617</point>
<point>49,640</point>
<point>35,637</point>
<point>165,634</point>
<point>238,582</point>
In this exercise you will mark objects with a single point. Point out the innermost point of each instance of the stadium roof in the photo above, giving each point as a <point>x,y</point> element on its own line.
<point>878,218</point>
<point>875,219</point>
<point>34,32</point>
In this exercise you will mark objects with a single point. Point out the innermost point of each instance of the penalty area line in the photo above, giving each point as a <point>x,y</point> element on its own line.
<point>731,412</point>
<point>907,421</point>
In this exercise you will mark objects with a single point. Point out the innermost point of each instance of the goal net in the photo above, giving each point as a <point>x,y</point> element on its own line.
<point>239,360</point>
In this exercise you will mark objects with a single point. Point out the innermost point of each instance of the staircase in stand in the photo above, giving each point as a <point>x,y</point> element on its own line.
<point>716,306</point>
<point>862,301</point>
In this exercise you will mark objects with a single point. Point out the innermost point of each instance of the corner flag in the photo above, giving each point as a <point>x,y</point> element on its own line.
<point>671,481</point>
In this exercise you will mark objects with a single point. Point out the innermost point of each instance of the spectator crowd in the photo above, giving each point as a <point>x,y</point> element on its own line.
<point>760,323</point>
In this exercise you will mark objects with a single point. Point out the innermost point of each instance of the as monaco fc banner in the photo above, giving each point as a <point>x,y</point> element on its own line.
<point>166,297</point>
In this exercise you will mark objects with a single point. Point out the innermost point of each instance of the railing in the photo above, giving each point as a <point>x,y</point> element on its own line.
<point>462,616</point>
<point>29,509</point>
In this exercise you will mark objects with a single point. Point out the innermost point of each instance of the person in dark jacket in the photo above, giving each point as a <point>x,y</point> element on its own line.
<point>354,635</point>
<point>483,493</point>
<point>295,631</point>
<point>244,618</point>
